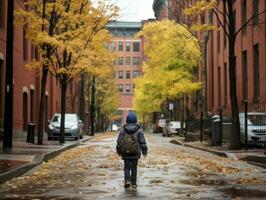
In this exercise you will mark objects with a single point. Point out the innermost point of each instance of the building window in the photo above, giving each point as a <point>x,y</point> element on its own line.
<point>136,61</point>
<point>113,46</point>
<point>224,34</point>
<point>36,54</point>
<point>256,71</point>
<point>32,52</point>
<point>136,46</point>
<point>136,74</point>
<point>120,75</point>
<point>120,88</point>
<point>225,83</point>
<point>128,89</point>
<point>120,46</point>
<point>245,75</point>
<point>128,62</point>
<point>1,14</point>
<point>120,61</point>
<point>256,11</point>
<point>26,5</point>
<point>25,45</point>
<point>244,15</point>
<point>127,46</point>
<point>127,74</point>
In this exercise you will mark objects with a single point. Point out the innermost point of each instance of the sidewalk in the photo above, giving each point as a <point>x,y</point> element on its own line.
<point>252,156</point>
<point>25,156</point>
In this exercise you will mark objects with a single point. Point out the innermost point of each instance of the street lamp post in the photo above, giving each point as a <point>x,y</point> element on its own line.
<point>8,114</point>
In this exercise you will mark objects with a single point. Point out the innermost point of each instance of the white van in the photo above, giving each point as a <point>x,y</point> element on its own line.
<point>256,125</point>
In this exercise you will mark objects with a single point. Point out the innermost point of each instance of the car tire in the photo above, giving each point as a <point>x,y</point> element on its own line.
<point>80,136</point>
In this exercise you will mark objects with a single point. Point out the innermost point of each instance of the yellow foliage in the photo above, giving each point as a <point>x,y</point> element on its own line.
<point>71,36</point>
<point>173,56</point>
<point>200,7</point>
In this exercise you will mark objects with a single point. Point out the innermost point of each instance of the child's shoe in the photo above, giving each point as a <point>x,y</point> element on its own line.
<point>127,184</point>
<point>134,188</point>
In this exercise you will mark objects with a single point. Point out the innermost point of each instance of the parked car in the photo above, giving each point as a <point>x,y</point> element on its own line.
<point>115,127</point>
<point>256,126</point>
<point>73,126</point>
<point>159,125</point>
<point>172,127</point>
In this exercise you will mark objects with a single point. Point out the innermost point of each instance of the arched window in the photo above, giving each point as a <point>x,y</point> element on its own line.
<point>32,105</point>
<point>25,110</point>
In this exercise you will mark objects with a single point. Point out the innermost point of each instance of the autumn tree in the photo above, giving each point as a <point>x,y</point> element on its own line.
<point>169,72</point>
<point>227,20</point>
<point>39,21</point>
<point>106,101</point>
<point>177,12</point>
<point>78,23</point>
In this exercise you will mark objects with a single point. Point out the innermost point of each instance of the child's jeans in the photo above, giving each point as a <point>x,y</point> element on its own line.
<point>130,170</point>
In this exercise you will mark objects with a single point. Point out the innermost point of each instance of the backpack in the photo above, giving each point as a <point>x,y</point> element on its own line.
<point>130,143</point>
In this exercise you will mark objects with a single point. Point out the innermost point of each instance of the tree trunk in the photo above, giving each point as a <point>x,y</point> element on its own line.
<point>93,90</point>
<point>82,97</point>
<point>89,108</point>
<point>42,104</point>
<point>235,136</point>
<point>43,89</point>
<point>63,112</point>
<point>8,114</point>
<point>182,106</point>
<point>204,75</point>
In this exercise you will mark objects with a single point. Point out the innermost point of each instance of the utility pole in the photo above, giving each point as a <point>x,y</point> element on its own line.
<point>8,114</point>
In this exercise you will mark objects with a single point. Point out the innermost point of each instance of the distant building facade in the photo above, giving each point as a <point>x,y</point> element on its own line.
<point>27,83</point>
<point>129,63</point>
<point>250,53</point>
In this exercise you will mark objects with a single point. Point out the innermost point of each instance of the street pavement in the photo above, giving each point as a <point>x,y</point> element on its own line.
<point>94,171</point>
<point>25,156</point>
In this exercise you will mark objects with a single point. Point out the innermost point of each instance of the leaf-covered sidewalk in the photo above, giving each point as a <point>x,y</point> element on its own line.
<point>94,171</point>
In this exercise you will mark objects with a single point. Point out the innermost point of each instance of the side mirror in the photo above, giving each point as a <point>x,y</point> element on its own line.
<point>80,122</point>
<point>49,121</point>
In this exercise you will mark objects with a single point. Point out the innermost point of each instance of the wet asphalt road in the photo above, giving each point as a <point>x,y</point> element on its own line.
<point>94,171</point>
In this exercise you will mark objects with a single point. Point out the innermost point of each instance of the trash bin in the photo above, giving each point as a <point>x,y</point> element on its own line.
<point>31,133</point>
<point>216,135</point>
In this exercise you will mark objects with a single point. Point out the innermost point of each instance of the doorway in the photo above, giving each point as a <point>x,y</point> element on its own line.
<point>25,111</point>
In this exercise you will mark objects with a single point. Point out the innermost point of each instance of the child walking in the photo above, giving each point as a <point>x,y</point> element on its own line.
<point>130,144</point>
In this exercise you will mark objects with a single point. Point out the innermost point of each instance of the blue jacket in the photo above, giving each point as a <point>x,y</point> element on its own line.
<point>131,129</point>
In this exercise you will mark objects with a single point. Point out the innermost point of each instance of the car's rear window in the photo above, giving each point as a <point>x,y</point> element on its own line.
<point>68,118</point>
<point>257,119</point>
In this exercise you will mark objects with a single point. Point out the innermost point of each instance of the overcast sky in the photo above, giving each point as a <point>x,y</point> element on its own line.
<point>135,10</point>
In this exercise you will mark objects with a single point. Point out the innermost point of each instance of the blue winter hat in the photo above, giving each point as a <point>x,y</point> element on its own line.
<point>131,118</point>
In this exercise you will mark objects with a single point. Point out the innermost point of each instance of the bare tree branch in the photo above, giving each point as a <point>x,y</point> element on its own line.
<point>247,22</point>
<point>221,23</point>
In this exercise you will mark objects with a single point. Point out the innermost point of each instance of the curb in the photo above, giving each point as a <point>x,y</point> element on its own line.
<point>38,159</point>
<point>251,159</point>
<point>219,153</point>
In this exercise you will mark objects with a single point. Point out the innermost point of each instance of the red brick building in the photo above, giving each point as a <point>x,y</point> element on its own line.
<point>128,65</point>
<point>26,82</point>
<point>250,52</point>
